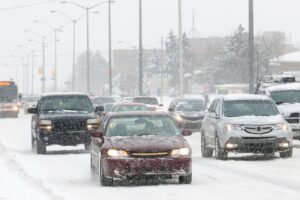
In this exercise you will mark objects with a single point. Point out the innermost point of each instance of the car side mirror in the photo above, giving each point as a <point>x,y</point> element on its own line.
<point>214,115</point>
<point>186,132</point>
<point>171,109</point>
<point>97,134</point>
<point>32,110</point>
<point>99,108</point>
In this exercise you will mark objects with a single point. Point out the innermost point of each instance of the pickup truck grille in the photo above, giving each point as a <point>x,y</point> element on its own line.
<point>294,118</point>
<point>69,125</point>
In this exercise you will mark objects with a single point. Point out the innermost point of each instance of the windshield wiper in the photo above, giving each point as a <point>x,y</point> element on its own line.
<point>143,134</point>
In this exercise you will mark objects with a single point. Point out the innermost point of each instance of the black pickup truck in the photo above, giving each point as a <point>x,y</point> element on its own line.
<point>63,119</point>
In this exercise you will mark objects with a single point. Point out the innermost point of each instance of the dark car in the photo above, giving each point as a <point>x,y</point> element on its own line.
<point>188,112</point>
<point>128,107</point>
<point>64,119</point>
<point>132,145</point>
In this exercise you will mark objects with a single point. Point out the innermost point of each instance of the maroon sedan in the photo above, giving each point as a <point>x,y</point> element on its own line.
<point>139,145</point>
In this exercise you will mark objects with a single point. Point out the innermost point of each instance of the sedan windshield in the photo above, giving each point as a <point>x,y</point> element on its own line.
<point>150,101</point>
<point>141,125</point>
<point>249,108</point>
<point>66,103</point>
<point>189,106</point>
<point>289,96</point>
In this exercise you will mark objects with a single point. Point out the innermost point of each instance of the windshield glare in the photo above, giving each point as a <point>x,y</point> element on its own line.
<point>292,96</point>
<point>66,103</point>
<point>189,106</point>
<point>141,125</point>
<point>249,108</point>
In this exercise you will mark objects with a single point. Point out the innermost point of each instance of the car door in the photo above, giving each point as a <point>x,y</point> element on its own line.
<point>208,122</point>
<point>34,120</point>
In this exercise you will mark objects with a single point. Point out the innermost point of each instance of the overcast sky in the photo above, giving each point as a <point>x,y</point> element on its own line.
<point>212,18</point>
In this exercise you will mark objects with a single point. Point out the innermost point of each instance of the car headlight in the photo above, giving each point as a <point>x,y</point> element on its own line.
<point>178,117</point>
<point>45,125</point>
<point>113,153</point>
<point>92,124</point>
<point>180,152</point>
<point>231,127</point>
<point>15,108</point>
<point>281,126</point>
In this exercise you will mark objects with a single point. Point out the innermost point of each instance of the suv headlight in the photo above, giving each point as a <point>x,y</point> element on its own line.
<point>281,126</point>
<point>45,125</point>
<point>92,124</point>
<point>113,153</point>
<point>178,117</point>
<point>231,127</point>
<point>15,108</point>
<point>180,152</point>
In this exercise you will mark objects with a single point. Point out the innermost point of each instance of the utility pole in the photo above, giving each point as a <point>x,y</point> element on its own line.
<point>44,67</point>
<point>109,49</point>
<point>251,48</point>
<point>88,51</point>
<point>140,50</point>
<point>55,59</point>
<point>180,49</point>
<point>162,70</point>
<point>32,72</point>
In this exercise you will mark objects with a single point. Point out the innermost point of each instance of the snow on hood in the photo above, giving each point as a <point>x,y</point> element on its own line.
<point>149,143</point>
<point>256,120</point>
<point>288,108</point>
<point>283,87</point>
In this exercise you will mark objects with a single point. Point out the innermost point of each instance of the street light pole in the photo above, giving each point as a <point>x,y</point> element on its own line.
<point>140,49</point>
<point>109,49</point>
<point>44,67</point>
<point>251,48</point>
<point>180,49</point>
<point>32,72</point>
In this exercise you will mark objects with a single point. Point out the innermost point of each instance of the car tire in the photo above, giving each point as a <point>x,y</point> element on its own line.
<point>286,154</point>
<point>185,179</point>
<point>206,152</point>
<point>40,147</point>
<point>104,181</point>
<point>219,152</point>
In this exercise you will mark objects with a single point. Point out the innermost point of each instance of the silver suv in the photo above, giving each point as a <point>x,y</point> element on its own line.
<point>245,123</point>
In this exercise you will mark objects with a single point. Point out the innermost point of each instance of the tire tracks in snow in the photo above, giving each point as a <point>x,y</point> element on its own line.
<point>15,166</point>
<point>289,184</point>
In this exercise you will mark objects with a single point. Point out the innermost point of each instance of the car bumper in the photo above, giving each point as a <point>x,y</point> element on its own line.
<point>194,126</point>
<point>138,167</point>
<point>66,138</point>
<point>257,145</point>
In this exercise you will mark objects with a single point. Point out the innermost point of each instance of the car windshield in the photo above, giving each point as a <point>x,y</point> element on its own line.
<point>150,101</point>
<point>249,108</point>
<point>190,106</point>
<point>103,100</point>
<point>8,94</point>
<point>141,125</point>
<point>289,96</point>
<point>66,103</point>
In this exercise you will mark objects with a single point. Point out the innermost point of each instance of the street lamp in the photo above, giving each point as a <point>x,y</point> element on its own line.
<point>87,9</point>
<point>55,49</point>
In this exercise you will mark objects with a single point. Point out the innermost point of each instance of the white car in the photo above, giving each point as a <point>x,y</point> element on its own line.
<point>245,124</point>
<point>287,99</point>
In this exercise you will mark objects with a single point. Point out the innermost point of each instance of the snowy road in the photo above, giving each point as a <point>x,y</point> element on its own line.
<point>66,175</point>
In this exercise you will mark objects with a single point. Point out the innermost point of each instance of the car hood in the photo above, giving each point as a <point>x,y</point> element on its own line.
<point>256,120</point>
<point>147,143</point>
<point>190,113</point>
<point>70,116</point>
<point>289,108</point>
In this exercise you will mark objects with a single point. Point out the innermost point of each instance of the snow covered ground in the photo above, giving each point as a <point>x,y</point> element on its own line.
<point>64,174</point>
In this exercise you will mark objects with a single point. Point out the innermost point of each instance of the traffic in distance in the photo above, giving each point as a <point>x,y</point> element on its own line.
<point>139,139</point>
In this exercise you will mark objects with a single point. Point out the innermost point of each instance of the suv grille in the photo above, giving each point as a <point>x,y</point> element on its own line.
<point>256,129</point>
<point>69,125</point>
<point>294,118</point>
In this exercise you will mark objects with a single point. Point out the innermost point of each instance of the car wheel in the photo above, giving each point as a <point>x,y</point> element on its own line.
<point>219,152</point>
<point>104,181</point>
<point>40,147</point>
<point>185,179</point>
<point>206,152</point>
<point>286,154</point>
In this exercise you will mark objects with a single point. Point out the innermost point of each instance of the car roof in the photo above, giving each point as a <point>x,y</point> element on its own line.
<point>141,97</point>
<point>190,99</point>
<point>236,97</point>
<point>287,86</point>
<point>138,113</point>
<point>64,94</point>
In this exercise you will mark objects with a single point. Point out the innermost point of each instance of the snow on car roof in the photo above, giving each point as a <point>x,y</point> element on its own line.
<point>235,97</point>
<point>62,94</point>
<point>287,86</point>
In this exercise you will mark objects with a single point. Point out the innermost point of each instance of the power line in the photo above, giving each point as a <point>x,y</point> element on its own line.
<point>26,5</point>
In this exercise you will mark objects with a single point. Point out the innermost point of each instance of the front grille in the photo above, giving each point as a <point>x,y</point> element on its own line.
<point>69,125</point>
<point>256,129</point>
<point>149,155</point>
<point>294,118</point>
<point>192,118</point>
<point>258,148</point>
